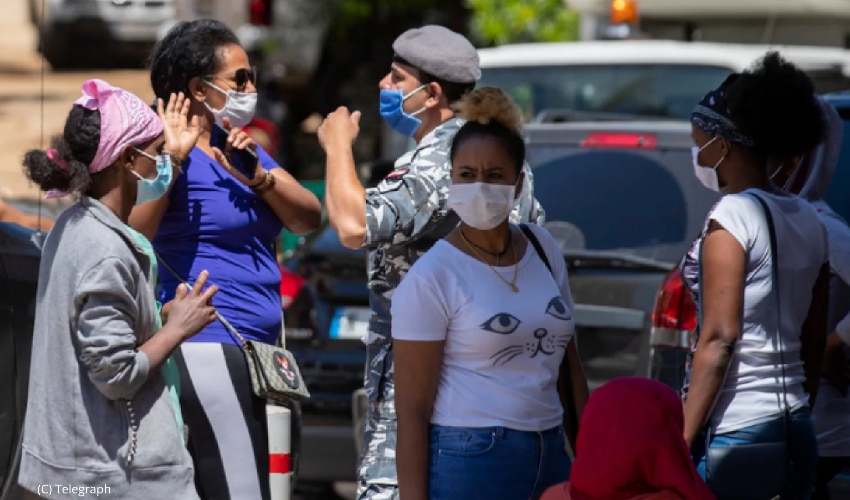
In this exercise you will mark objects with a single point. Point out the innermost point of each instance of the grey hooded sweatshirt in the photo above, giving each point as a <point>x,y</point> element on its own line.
<point>89,385</point>
<point>831,413</point>
<point>822,166</point>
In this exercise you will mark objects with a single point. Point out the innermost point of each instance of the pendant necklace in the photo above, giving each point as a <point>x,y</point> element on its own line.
<point>512,283</point>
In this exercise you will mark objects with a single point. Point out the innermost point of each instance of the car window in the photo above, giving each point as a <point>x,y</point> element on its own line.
<point>648,204</point>
<point>662,90</point>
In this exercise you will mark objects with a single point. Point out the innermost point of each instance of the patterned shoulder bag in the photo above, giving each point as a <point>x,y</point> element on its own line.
<point>273,370</point>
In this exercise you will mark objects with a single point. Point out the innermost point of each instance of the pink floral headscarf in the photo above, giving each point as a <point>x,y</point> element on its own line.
<point>124,120</point>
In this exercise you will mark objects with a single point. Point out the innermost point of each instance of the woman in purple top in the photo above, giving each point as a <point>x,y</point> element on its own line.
<point>215,218</point>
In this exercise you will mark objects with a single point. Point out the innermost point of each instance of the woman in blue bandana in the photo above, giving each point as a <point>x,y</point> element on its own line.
<point>759,273</point>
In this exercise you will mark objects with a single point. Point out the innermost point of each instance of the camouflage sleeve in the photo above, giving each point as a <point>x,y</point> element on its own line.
<point>528,209</point>
<point>406,203</point>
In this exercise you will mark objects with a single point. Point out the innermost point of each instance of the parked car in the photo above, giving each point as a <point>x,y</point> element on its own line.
<point>638,78</point>
<point>19,261</point>
<point>622,200</point>
<point>323,287</point>
<point>93,33</point>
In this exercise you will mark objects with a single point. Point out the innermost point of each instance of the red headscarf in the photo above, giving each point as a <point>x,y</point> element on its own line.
<point>631,444</point>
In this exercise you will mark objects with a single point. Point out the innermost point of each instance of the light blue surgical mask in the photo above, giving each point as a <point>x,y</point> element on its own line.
<point>392,110</point>
<point>153,189</point>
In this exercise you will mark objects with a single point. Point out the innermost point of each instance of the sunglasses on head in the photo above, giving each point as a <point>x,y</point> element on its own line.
<point>241,77</point>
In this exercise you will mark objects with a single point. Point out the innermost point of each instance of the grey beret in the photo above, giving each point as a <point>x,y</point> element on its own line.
<point>440,52</point>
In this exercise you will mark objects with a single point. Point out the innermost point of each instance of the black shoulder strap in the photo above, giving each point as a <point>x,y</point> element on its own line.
<point>774,254</point>
<point>529,234</point>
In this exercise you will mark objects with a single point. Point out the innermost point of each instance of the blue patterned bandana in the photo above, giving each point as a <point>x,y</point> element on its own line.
<point>712,116</point>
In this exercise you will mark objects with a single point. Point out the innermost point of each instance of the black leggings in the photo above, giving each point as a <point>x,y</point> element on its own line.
<point>228,434</point>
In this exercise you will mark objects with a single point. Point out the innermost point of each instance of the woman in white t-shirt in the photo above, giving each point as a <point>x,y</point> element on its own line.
<point>759,345</point>
<point>481,328</point>
<point>809,177</point>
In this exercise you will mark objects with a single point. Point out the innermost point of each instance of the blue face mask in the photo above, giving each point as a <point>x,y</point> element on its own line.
<point>153,189</point>
<point>392,109</point>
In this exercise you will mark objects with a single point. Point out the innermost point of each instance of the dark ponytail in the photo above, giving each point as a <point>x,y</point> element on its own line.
<point>65,165</point>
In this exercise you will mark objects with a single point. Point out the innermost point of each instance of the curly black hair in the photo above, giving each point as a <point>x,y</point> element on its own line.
<point>188,50</point>
<point>774,104</point>
<point>75,150</point>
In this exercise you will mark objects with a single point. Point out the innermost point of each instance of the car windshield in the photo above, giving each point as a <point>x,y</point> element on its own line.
<point>658,90</point>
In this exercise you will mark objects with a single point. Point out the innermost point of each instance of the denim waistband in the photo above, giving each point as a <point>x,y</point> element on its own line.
<point>502,432</point>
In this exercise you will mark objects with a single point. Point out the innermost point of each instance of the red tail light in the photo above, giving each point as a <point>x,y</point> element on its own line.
<point>290,284</point>
<point>619,140</point>
<point>261,12</point>
<point>674,316</point>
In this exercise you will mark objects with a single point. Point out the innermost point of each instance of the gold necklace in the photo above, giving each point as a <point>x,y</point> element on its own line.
<point>511,283</point>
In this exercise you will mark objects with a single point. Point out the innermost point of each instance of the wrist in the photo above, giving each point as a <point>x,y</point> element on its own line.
<point>265,185</point>
<point>338,148</point>
<point>176,158</point>
<point>175,333</point>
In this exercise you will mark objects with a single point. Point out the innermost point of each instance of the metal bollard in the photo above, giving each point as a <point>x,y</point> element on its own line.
<point>279,421</point>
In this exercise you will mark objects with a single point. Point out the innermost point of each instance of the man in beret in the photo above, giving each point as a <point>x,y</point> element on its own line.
<point>401,218</point>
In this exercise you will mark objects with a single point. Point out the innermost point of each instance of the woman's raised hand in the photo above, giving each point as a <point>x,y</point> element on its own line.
<point>181,134</point>
<point>237,138</point>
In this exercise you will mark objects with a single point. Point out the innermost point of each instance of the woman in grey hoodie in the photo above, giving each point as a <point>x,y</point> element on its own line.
<point>810,177</point>
<point>99,418</point>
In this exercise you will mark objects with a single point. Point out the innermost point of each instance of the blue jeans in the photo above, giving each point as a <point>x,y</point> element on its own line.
<point>495,463</point>
<point>804,450</point>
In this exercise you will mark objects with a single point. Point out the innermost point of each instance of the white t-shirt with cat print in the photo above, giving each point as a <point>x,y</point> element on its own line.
<point>503,349</point>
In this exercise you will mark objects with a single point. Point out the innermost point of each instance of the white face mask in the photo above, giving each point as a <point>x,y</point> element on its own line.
<point>239,107</point>
<point>482,205</point>
<point>706,175</point>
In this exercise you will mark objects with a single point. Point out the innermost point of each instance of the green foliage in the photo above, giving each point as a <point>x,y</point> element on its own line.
<point>354,15</point>
<point>516,21</point>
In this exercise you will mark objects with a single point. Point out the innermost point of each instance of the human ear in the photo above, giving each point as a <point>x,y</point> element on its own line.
<point>127,158</point>
<point>435,92</point>
<point>197,88</point>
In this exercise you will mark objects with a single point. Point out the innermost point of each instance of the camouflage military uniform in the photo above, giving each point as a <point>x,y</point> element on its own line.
<point>405,215</point>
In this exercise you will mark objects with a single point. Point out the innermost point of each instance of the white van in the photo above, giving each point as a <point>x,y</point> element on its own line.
<point>619,79</point>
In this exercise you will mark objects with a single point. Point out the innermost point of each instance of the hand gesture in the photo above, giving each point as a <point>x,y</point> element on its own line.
<point>340,129</point>
<point>180,133</point>
<point>238,139</point>
<point>192,310</point>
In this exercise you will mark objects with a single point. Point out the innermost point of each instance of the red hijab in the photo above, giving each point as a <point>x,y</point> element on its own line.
<point>631,444</point>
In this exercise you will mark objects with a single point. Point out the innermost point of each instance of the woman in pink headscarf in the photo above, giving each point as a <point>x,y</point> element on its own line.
<point>630,447</point>
<point>100,419</point>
